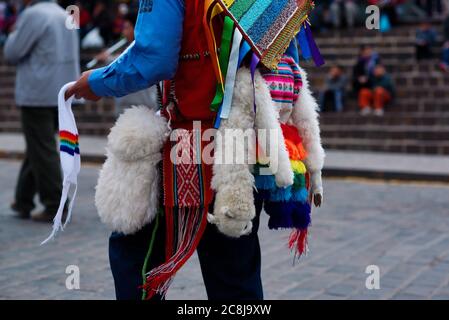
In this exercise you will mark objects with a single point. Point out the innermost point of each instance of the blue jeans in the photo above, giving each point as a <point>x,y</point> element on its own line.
<point>230,267</point>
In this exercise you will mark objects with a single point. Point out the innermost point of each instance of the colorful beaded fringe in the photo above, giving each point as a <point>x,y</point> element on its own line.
<point>289,207</point>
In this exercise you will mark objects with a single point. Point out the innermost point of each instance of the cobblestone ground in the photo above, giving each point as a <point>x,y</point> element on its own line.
<point>403,229</point>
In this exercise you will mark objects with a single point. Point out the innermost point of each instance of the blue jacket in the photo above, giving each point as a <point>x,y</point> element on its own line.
<point>151,58</point>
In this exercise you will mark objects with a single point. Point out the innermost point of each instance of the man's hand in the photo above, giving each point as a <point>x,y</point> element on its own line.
<point>81,89</point>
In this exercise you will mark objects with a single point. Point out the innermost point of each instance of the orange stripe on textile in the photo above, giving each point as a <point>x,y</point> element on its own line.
<point>296,152</point>
<point>211,10</point>
<point>69,136</point>
<point>293,142</point>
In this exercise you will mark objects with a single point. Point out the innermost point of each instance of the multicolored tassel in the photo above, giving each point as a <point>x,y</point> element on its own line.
<point>288,208</point>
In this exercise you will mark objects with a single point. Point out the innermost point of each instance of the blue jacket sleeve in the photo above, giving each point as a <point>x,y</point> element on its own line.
<point>152,57</point>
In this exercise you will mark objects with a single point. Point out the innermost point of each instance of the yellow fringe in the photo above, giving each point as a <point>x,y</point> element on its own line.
<point>298,167</point>
<point>273,55</point>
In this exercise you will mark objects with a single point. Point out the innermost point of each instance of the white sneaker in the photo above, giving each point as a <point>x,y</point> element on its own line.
<point>379,112</point>
<point>365,111</point>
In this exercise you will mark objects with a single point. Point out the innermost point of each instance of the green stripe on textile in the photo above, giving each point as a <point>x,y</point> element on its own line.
<point>150,250</point>
<point>240,7</point>
<point>68,143</point>
<point>225,52</point>
<point>254,13</point>
<point>299,181</point>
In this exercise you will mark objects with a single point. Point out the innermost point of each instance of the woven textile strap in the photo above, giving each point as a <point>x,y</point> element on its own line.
<point>231,75</point>
<point>226,43</point>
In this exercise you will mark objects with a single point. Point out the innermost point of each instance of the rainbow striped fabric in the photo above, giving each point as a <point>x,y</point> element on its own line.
<point>68,143</point>
<point>268,25</point>
<point>288,208</point>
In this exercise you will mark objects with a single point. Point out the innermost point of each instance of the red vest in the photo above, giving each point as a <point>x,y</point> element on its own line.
<point>195,80</point>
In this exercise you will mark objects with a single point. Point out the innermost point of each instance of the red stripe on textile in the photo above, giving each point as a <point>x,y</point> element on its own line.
<point>68,135</point>
<point>291,133</point>
<point>162,276</point>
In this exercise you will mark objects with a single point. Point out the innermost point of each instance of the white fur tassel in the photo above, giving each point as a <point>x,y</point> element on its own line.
<point>234,201</point>
<point>305,117</point>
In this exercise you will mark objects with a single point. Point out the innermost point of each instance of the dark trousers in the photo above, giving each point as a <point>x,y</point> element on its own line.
<point>331,100</point>
<point>423,52</point>
<point>41,170</point>
<point>230,267</point>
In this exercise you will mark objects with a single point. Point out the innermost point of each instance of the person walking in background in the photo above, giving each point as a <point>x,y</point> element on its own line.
<point>331,97</point>
<point>47,56</point>
<point>379,92</point>
<point>147,97</point>
<point>425,40</point>
<point>363,69</point>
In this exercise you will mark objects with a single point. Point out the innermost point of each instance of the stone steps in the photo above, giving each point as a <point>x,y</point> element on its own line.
<point>418,119</point>
<point>389,119</point>
<point>407,105</point>
<point>416,122</point>
<point>388,145</point>
<point>387,132</point>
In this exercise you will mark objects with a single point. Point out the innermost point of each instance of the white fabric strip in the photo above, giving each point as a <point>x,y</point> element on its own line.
<point>70,164</point>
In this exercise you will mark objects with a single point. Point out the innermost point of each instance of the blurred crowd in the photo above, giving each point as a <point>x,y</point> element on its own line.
<point>369,82</point>
<point>103,20</point>
<point>330,14</point>
<point>103,23</point>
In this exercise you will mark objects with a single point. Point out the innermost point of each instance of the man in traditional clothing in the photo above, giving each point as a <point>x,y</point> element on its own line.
<point>172,42</point>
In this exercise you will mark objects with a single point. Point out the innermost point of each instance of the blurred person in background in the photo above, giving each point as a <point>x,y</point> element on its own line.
<point>343,8</point>
<point>144,97</point>
<point>47,57</point>
<point>121,11</point>
<point>444,64</point>
<point>432,7</point>
<point>389,9</point>
<point>85,19</point>
<point>102,19</point>
<point>378,94</point>
<point>8,16</point>
<point>446,28</point>
<point>426,38</point>
<point>363,69</point>
<point>3,7</point>
<point>331,97</point>
<point>321,17</point>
